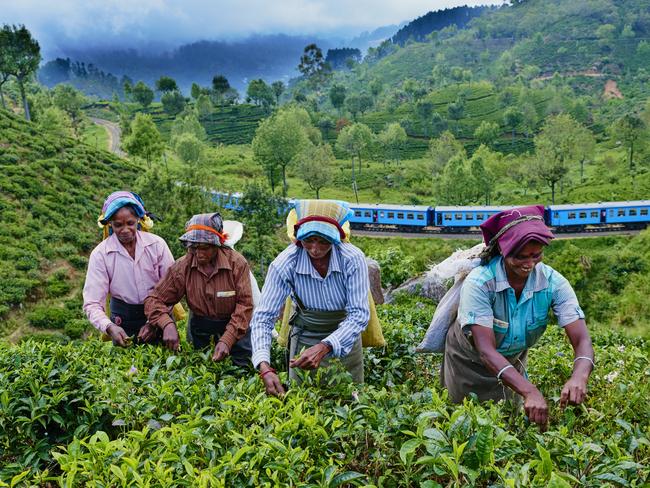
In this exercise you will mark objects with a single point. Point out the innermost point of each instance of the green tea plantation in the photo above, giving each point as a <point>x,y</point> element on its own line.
<point>88,414</point>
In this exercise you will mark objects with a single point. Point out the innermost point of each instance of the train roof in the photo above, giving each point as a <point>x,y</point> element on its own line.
<point>577,206</point>
<point>470,208</point>
<point>387,206</point>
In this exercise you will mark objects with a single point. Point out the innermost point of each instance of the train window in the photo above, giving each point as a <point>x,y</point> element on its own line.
<point>391,215</point>
<point>409,216</point>
<point>644,211</point>
<point>479,216</point>
<point>469,216</point>
<point>458,216</point>
<point>400,215</point>
<point>621,212</point>
<point>633,212</point>
<point>594,215</point>
<point>556,215</point>
<point>357,213</point>
<point>381,214</point>
<point>421,217</point>
<point>611,213</point>
<point>572,215</point>
<point>583,215</point>
<point>366,214</point>
<point>447,216</point>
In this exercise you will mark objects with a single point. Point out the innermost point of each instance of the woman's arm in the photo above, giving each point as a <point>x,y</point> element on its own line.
<point>534,402</point>
<point>575,389</point>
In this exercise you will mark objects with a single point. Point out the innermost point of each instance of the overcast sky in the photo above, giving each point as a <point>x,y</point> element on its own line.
<point>59,23</point>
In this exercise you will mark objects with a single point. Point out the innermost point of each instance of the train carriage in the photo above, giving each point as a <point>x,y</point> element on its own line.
<point>460,218</point>
<point>390,217</point>
<point>595,216</point>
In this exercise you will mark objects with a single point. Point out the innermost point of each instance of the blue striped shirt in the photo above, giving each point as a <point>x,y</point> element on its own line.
<point>487,299</point>
<point>345,287</point>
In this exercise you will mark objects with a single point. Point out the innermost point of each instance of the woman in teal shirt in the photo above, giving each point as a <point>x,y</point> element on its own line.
<point>503,311</point>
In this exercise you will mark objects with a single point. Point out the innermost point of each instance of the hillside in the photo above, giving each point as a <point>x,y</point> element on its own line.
<point>51,191</point>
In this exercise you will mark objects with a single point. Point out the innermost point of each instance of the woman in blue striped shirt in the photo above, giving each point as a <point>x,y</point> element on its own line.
<point>328,281</point>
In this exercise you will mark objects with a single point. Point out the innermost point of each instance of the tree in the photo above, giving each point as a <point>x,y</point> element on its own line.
<point>512,117</point>
<point>220,85</point>
<point>165,84</point>
<point>66,98</point>
<point>483,179</point>
<point>56,122</point>
<point>260,93</point>
<point>454,185</point>
<point>337,96</point>
<point>315,166</point>
<point>204,105</point>
<point>393,139</point>
<point>142,94</point>
<point>456,110</point>
<point>487,133</point>
<point>376,86</point>
<point>187,124</point>
<point>354,140</point>
<point>5,70</point>
<point>20,58</point>
<point>278,89</point>
<point>145,140</point>
<point>556,147</point>
<point>442,149</point>
<point>195,91</point>
<point>278,140</point>
<point>313,66</point>
<point>173,102</point>
<point>189,148</point>
<point>424,111</point>
<point>629,128</point>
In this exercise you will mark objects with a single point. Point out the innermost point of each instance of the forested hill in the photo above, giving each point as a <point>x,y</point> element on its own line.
<point>51,189</point>
<point>531,39</point>
<point>418,29</point>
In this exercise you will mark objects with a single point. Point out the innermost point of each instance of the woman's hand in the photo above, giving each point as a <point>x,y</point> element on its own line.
<point>536,408</point>
<point>147,333</point>
<point>574,392</point>
<point>221,350</point>
<point>311,358</point>
<point>118,335</point>
<point>170,337</point>
<point>271,380</point>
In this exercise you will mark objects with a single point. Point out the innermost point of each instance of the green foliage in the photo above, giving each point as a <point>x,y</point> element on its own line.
<point>144,139</point>
<point>142,94</point>
<point>173,102</point>
<point>74,329</point>
<point>49,317</point>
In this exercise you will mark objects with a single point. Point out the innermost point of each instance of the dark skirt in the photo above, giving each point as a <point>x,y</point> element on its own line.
<point>203,332</point>
<point>131,318</point>
<point>463,372</point>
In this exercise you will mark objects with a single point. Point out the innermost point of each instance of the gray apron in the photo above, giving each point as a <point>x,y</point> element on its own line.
<point>309,327</point>
<point>463,372</point>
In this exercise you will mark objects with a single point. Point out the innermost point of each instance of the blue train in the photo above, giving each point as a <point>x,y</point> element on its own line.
<point>579,217</point>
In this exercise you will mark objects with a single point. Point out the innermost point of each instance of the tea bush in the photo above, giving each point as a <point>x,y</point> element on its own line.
<point>89,414</point>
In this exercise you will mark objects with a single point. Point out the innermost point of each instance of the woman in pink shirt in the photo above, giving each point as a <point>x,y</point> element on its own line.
<point>127,265</point>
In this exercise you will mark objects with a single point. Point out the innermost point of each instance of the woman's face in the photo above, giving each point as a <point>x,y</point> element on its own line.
<point>205,253</point>
<point>125,225</point>
<point>522,263</point>
<point>317,247</point>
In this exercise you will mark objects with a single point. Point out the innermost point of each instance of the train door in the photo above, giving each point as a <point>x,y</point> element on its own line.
<point>603,216</point>
<point>439,219</point>
<point>374,217</point>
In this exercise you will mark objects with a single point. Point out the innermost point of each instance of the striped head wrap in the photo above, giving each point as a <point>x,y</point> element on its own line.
<point>204,229</point>
<point>324,218</point>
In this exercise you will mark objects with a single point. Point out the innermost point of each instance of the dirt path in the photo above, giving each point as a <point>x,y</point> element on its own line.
<point>611,90</point>
<point>114,135</point>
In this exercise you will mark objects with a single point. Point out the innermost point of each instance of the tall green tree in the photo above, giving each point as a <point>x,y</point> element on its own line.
<point>313,65</point>
<point>483,178</point>
<point>173,102</point>
<point>337,96</point>
<point>278,89</point>
<point>144,140</point>
<point>629,129</point>
<point>487,133</point>
<point>187,123</point>
<point>512,117</point>
<point>166,84</point>
<point>315,166</point>
<point>355,140</point>
<point>20,58</point>
<point>260,93</point>
<point>392,139</point>
<point>142,94</point>
<point>454,186</point>
<point>5,70</point>
<point>70,100</point>
<point>442,149</point>
<point>220,85</point>
<point>189,148</point>
<point>278,140</point>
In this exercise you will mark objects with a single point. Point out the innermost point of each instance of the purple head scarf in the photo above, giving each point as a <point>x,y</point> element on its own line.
<point>513,229</point>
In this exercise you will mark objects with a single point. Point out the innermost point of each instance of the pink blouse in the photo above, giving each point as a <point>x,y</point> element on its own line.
<point>112,270</point>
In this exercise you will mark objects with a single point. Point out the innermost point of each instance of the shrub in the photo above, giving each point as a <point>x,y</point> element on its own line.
<point>75,328</point>
<point>48,317</point>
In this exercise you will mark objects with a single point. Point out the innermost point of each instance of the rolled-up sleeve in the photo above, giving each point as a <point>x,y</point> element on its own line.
<point>169,290</point>
<point>95,292</point>
<point>241,317</point>
<point>475,307</point>
<point>274,293</point>
<point>564,302</point>
<point>358,311</point>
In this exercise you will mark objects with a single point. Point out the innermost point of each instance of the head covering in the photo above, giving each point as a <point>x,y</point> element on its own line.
<point>324,218</point>
<point>513,229</point>
<point>116,201</point>
<point>292,220</point>
<point>204,229</point>
<point>234,231</point>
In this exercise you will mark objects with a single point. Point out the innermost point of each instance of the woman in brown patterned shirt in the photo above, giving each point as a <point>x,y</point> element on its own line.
<point>215,280</point>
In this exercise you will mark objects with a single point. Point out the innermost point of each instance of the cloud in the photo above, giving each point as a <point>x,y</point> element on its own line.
<point>58,23</point>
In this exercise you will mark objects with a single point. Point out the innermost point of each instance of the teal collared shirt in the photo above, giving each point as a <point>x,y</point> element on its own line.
<point>487,299</point>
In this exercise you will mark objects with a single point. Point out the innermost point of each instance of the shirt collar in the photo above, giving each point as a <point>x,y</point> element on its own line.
<point>222,261</point>
<point>304,266</point>
<point>536,281</point>
<point>142,240</point>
